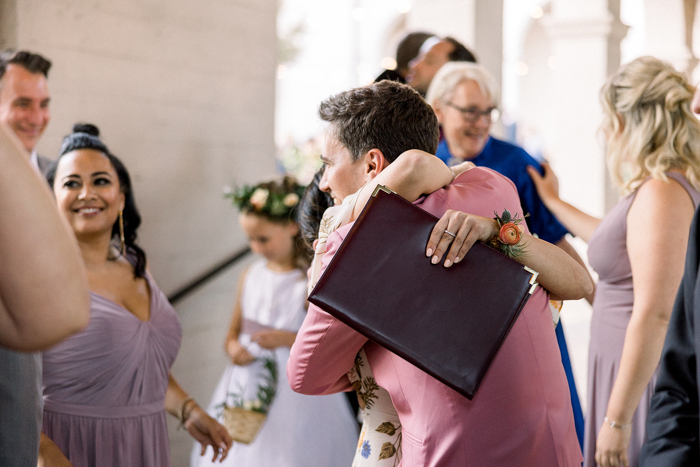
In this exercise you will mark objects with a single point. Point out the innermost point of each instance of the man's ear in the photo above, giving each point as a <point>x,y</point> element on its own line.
<point>375,163</point>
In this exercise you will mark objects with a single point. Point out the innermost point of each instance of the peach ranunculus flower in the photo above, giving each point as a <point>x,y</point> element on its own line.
<point>291,200</point>
<point>259,198</point>
<point>509,234</point>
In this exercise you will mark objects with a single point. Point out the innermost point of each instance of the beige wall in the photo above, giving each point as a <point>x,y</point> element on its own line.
<point>183,92</point>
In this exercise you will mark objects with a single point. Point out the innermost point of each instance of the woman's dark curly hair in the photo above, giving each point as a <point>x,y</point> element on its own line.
<point>313,204</point>
<point>86,136</point>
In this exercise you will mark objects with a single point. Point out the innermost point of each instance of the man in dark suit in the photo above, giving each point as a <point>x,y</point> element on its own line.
<point>673,424</point>
<point>24,108</point>
<point>24,99</point>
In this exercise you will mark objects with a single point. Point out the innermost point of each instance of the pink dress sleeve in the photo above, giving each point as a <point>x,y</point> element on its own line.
<point>325,348</point>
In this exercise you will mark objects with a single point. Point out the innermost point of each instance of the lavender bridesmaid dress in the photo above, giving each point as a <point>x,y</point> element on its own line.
<point>104,388</point>
<point>612,310</point>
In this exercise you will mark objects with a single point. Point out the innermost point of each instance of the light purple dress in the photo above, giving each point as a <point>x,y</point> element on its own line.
<point>104,388</point>
<point>612,310</point>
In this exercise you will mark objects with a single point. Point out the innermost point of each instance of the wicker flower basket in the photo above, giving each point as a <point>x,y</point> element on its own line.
<point>243,424</point>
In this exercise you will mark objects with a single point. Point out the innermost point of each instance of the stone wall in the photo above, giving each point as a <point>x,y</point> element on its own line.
<point>183,92</point>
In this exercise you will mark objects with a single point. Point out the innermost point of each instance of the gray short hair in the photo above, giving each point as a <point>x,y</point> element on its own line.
<point>453,73</point>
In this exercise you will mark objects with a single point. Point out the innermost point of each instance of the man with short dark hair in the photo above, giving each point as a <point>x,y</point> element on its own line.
<point>24,108</point>
<point>407,50</point>
<point>24,99</point>
<point>434,53</point>
<point>521,414</point>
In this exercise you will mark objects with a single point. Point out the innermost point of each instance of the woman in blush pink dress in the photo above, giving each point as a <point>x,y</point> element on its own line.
<point>107,388</point>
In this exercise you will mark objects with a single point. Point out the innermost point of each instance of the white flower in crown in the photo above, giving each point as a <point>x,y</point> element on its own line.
<point>291,200</point>
<point>259,198</point>
<point>248,405</point>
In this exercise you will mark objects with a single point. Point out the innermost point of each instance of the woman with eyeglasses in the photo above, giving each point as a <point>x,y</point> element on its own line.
<point>465,99</point>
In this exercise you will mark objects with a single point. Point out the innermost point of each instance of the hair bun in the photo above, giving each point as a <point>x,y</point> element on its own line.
<point>88,128</point>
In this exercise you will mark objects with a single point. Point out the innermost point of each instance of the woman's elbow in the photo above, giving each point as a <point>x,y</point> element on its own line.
<point>581,286</point>
<point>587,285</point>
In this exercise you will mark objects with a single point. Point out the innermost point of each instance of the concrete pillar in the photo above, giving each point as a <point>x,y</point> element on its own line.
<point>670,43</point>
<point>585,40</point>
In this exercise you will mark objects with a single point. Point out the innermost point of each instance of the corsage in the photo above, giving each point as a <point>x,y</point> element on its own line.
<point>508,239</point>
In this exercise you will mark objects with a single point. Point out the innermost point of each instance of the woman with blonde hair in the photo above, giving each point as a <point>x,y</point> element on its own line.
<point>638,249</point>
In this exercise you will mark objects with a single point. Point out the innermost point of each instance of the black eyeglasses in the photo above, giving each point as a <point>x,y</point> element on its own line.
<point>474,114</point>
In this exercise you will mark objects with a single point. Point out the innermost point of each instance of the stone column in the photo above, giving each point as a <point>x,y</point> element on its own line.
<point>667,34</point>
<point>586,40</point>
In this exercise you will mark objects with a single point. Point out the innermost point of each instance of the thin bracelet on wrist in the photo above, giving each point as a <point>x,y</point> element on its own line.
<point>183,416</point>
<point>614,424</point>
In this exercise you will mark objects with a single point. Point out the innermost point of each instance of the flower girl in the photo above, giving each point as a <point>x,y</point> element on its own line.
<point>298,430</point>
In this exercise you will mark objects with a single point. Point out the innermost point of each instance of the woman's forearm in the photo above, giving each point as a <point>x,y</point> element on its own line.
<point>237,318</point>
<point>559,273</point>
<point>177,402</point>
<point>411,175</point>
<point>43,287</point>
<point>576,221</point>
<point>641,353</point>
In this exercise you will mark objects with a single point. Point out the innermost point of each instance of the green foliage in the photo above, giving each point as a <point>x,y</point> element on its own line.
<point>267,390</point>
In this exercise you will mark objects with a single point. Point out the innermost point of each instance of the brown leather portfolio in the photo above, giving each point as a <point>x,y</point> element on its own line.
<point>449,322</point>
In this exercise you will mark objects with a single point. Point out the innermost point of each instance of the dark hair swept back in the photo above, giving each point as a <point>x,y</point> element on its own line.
<point>387,115</point>
<point>86,136</point>
<point>313,204</point>
<point>409,48</point>
<point>459,52</point>
<point>33,63</point>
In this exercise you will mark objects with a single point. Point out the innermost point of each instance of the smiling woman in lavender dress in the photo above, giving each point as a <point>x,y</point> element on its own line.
<point>107,388</point>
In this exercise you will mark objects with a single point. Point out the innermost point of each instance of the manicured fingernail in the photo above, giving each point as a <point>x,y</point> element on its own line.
<point>457,259</point>
<point>435,260</point>
<point>448,263</point>
<point>429,252</point>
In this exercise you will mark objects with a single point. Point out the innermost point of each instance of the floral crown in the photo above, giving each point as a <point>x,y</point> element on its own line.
<point>277,199</point>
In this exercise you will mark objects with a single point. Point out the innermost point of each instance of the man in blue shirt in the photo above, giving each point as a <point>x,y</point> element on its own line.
<point>464,98</point>
<point>511,160</point>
